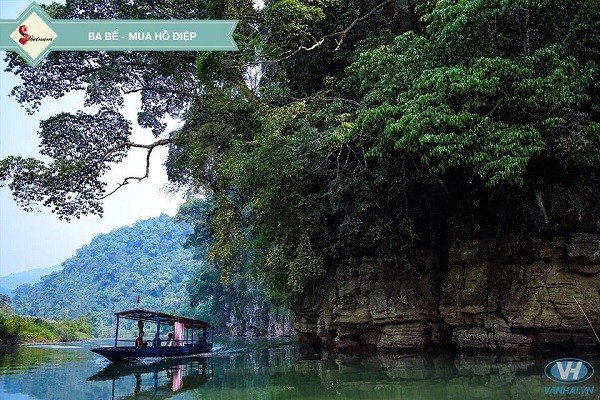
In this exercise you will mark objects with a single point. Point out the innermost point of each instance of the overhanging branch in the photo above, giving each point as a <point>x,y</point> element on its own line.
<point>150,147</point>
<point>340,35</point>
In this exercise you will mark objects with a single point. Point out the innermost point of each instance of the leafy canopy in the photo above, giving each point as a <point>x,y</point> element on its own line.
<point>341,130</point>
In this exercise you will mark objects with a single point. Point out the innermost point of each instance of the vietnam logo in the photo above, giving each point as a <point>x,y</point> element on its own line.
<point>33,34</point>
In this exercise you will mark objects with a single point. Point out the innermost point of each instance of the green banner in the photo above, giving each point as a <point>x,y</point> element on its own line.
<point>34,34</point>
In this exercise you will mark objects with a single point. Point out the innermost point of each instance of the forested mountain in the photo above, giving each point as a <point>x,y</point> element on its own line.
<point>145,259</point>
<point>10,282</point>
<point>163,261</point>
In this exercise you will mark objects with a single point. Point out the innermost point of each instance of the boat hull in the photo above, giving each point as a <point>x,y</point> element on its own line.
<point>129,354</point>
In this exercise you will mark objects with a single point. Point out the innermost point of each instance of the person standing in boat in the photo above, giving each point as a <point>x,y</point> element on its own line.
<point>203,339</point>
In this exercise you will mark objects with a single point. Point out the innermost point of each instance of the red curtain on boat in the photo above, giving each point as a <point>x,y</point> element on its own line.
<point>178,334</point>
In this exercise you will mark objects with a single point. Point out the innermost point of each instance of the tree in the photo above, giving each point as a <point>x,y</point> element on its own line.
<point>346,129</point>
<point>473,92</point>
<point>83,147</point>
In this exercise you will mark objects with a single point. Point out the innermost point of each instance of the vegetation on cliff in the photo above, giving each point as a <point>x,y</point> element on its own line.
<point>340,129</point>
<point>241,305</point>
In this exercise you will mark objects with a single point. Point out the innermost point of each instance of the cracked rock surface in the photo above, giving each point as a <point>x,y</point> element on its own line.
<point>518,301</point>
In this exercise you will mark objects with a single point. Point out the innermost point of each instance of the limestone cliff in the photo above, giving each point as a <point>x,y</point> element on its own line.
<point>259,319</point>
<point>510,292</point>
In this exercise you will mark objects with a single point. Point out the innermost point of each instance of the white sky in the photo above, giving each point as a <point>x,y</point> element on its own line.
<point>40,239</point>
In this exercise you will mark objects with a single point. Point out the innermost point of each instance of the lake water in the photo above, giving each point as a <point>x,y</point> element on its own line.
<point>271,369</point>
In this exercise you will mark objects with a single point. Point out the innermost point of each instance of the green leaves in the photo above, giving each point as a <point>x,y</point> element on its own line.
<point>294,16</point>
<point>357,150</point>
<point>483,108</point>
<point>340,129</point>
<point>81,148</point>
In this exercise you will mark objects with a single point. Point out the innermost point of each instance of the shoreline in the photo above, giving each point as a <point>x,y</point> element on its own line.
<point>34,343</point>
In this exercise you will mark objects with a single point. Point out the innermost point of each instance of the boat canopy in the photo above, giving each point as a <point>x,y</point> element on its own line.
<point>153,316</point>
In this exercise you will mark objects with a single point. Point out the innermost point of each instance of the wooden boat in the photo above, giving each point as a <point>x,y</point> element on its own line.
<point>196,339</point>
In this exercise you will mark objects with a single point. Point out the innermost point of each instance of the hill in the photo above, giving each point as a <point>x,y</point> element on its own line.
<point>10,282</point>
<point>145,259</point>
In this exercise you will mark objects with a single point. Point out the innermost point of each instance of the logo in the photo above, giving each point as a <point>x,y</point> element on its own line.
<point>27,37</point>
<point>569,370</point>
<point>23,32</point>
<point>33,34</point>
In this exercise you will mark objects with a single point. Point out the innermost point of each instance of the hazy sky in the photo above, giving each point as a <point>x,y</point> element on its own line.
<point>40,239</point>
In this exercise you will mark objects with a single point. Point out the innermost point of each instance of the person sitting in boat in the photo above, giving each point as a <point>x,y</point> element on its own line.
<point>139,341</point>
<point>170,339</point>
<point>156,341</point>
<point>203,338</point>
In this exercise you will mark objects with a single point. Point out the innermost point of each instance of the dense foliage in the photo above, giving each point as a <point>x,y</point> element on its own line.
<point>367,143</point>
<point>146,259</point>
<point>241,305</point>
<point>341,128</point>
<point>16,329</point>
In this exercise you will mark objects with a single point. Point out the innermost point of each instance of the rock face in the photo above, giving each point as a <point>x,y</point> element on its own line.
<point>513,294</point>
<point>259,319</point>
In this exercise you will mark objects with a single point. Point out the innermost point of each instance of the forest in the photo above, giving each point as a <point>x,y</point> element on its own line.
<point>149,259</point>
<point>340,131</point>
<point>15,329</point>
<point>146,259</point>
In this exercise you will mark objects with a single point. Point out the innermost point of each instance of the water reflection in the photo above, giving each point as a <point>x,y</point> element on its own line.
<point>157,380</point>
<point>242,368</point>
